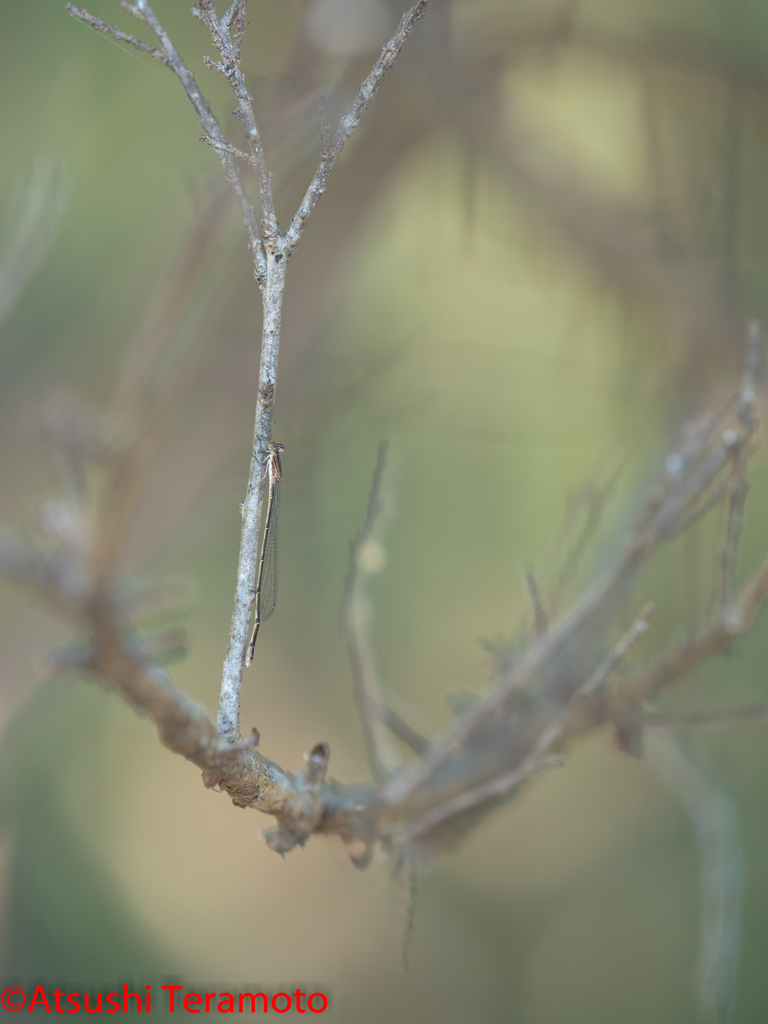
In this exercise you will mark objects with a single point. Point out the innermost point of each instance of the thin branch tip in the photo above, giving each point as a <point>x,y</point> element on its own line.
<point>123,37</point>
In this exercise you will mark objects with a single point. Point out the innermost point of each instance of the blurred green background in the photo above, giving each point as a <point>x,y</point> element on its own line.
<point>536,258</point>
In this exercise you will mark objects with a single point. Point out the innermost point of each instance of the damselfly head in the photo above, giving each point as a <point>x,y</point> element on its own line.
<point>275,447</point>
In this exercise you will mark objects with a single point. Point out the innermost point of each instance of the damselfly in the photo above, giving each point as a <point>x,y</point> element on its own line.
<point>266,580</point>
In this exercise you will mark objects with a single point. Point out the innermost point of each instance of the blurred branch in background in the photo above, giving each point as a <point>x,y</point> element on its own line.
<point>366,557</point>
<point>692,472</point>
<point>712,814</point>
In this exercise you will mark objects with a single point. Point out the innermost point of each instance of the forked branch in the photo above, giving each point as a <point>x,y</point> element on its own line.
<point>451,782</point>
<point>271,251</point>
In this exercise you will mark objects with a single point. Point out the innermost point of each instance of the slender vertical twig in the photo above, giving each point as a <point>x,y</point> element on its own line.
<point>739,486</point>
<point>248,560</point>
<point>712,814</point>
<point>271,251</point>
<point>229,48</point>
<point>540,624</point>
<point>355,614</point>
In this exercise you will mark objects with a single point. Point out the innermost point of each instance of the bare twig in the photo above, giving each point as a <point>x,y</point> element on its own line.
<point>716,497</point>
<point>740,445</point>
<point>594,498</point>
<point>224,147</point>
<point>229,48</point>
<point>325,129</point>
<point>713,816</point>
<point>111,30</point>
<point>716,637</point>
<point>398,726</point>
<point>355,615</point>
<point>536,760</point>
<point>539,615</point>
<point>206,117</point>
<point>501,786</point>
<point>248,560</point>
<point>351,120</point>
<point>738,488</point>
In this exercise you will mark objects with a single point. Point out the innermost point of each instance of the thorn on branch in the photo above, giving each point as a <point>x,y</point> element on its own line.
<point>250,743</point>
<point>315,764</point>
